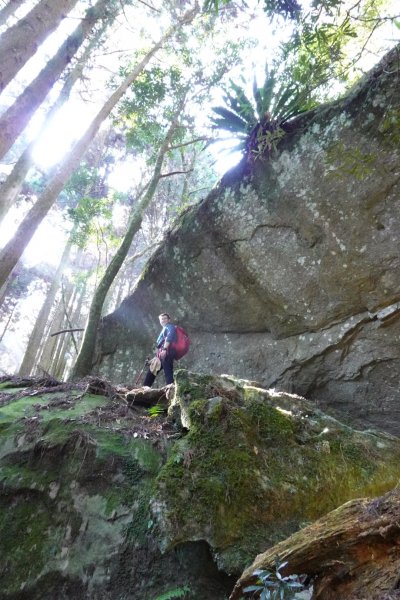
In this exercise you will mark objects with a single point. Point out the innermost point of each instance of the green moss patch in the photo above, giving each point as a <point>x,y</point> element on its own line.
<point>262,462</point>
<point>46,405</point>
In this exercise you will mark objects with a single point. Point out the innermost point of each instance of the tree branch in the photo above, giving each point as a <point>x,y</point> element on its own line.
<point>149,6</point>
<point>66,331</point>
<point>204,138</point>
<point>175,173</point>
<point>139,254</point>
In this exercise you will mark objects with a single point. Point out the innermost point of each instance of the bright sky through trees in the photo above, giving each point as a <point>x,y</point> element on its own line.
<point>136,29</point>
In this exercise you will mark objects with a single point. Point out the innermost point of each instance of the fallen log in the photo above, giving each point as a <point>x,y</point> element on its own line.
<point>353,553</point>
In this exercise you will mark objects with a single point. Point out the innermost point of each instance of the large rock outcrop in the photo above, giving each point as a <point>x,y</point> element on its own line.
<point>100,501</point>
<point>288,272</point>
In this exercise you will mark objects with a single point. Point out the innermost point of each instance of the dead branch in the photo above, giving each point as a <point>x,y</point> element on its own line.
<point>66,331</point>
<point>141,253</point>
<point>175,173</point>
<point>203,138</point>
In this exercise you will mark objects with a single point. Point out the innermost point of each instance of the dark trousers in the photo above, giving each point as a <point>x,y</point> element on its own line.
<point>167,364</point>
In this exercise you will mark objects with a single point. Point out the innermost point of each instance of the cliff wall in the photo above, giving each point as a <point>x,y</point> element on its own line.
<point>288,272</point>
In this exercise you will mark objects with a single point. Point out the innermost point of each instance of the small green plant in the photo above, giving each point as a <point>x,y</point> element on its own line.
<point>272,585</point>
<point>156,410</point>
<point>256,120</point>
<point>266,141</point>
<point>179,592</point>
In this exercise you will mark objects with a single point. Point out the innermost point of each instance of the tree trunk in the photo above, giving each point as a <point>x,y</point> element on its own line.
<point>45,359</point>
<point>352,553</point>
<point>37,333</point>
<point>13,250</point>
<point>17,117</point>
<point>76,318</point>
<point>20,42</point>
<point>62,339</point>
<point>9,10</point>
<point>10,189</point>
<point>10,316</point>
<point>3,291</point>
<point>84,361</point>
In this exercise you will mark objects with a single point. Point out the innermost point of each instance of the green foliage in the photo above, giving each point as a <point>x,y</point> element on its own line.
<point>143,111</point>
<point>314,54</point>
<point>156,410</point>
<point>256,121</point>
<point>81,180</point>
<point>285,8</point>
<point>214,5</point>
<point>328,39</point>
<point>85,216</point>
<point>150,89</point>
<point>179,592</point>
<point>272,585</point>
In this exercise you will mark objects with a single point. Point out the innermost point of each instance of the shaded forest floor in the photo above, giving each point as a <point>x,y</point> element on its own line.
<point>126,411</point>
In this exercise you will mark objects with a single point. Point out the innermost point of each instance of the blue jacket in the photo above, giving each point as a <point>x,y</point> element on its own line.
<point>168,334</point>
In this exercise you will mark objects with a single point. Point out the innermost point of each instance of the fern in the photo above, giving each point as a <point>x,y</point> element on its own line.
<point>249,118</point>
<point>173,594</point>
<point>156,410</point>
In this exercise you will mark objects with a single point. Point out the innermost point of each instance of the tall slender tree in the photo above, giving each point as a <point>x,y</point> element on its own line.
<point>13,250</point>
<point>19,42</point>
<point>17,116</point>
<point>36,335</point>
<point>9,9</point>
<point>11,187</point>
<point>48,350</point>
<point>84,361</point>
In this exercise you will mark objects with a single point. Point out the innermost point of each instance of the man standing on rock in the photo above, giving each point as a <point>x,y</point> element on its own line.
<point>165,352</point>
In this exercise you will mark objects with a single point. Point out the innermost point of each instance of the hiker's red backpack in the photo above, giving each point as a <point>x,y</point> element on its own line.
<point>182,343</point>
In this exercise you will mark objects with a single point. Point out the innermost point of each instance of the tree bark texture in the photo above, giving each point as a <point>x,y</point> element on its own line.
<point>17,116</point>
<point>353,553</point>
<point>12,186</point>
<point>13,250</point>
<point>85,360</point>
<point>20,42</point>
<point>9,10</point>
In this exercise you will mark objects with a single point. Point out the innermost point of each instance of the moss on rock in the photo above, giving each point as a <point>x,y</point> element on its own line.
<point>256,465</point>
<point>92,492</point>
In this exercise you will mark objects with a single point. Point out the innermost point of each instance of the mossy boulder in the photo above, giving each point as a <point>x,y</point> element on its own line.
<point>71,487</point>
<point>100,501</point>
<point>77,474</point>
<point>257,465</point>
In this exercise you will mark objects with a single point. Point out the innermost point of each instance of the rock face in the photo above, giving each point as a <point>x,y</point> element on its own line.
<point>288,272</point>
<point>99,501</point>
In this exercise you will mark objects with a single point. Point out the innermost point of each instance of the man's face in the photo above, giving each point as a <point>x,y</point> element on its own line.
<point>164,320</point>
